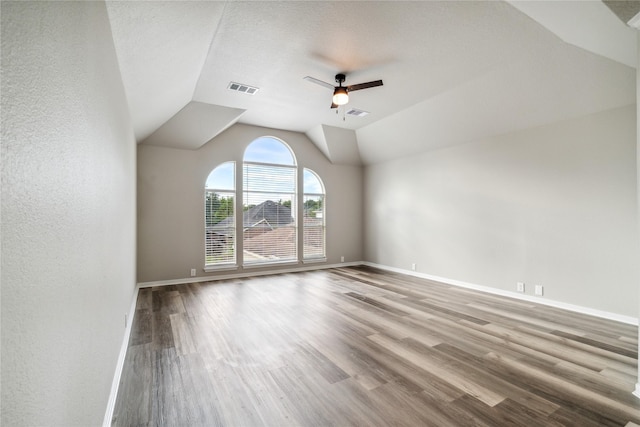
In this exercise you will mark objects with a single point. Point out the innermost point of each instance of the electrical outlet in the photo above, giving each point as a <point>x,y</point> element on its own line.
<point>341,259</point>
<point>539,290</point>
<point>193,272</point>
<point>413,266</point>
<point>520,287</point>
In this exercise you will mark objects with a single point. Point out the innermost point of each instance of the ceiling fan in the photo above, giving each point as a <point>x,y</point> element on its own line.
<point>341,93</point>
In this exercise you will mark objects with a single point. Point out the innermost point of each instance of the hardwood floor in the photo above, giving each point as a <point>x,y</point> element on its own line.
<point>358,346</point>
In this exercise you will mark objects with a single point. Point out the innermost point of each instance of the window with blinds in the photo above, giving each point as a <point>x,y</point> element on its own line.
<point>314,217</point>
<point>269,226</point>
<point>219,214</point>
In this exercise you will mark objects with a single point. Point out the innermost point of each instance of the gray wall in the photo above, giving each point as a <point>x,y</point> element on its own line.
<point>552,206</point>
<point>171,201</point>
<point>68,213</point>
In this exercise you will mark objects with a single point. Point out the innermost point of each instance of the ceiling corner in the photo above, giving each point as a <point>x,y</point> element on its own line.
<point>627,11</point>
<point>194,125</point>
<point>590,25</point>
<point>343,145</point>
<point>316,135</point>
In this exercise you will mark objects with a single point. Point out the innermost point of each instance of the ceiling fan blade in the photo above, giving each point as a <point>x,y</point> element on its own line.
<point>319,82</point>
<point>364,85</point>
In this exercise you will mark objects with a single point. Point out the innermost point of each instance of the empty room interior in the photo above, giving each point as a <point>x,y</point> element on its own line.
<point>289,213</point>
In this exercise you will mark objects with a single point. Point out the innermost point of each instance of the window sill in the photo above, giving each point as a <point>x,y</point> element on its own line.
<point>269,264</point>
<point>214,268</point>
<point>314,260</point>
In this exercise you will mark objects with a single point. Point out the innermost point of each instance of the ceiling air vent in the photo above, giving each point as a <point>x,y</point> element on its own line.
<point>357,113</point>
<point>239,87</point>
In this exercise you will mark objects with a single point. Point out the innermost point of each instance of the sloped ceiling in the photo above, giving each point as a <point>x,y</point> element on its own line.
<point>626,10</point>
<point>452,71</point>
<point>161,47</point>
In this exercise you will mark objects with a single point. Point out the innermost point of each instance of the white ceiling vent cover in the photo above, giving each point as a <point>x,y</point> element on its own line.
<point>357,113</point>
<point>239,87</point>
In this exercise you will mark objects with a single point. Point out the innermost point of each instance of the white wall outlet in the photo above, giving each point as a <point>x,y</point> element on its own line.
<point>193,272</point>
<point>342,259</point>
<point>413,266</point>
<point>539,290</point>
<point>520,286</point>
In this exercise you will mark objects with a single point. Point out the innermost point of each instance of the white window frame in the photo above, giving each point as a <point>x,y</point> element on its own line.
<point>232,262</point>
<point>322,196</point>
<point>268,190</point>
<point>241,189</point>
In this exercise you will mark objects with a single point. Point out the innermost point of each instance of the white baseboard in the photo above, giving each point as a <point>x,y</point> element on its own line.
<point>636,392</point>
<point>108,416</point>
<point>251,273</point>
<point>557,304</point>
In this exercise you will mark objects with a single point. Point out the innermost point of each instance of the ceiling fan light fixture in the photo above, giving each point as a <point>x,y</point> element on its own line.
<point>341,93</point>
<point>340,96</point>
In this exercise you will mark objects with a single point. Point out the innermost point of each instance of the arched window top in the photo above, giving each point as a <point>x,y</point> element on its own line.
<point>267,149</point>
<point>222,177</point>
<point>312,182</point>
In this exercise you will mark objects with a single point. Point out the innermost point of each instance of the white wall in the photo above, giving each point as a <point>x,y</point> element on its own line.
<point>171,201</point>
<point>552,206</point>
<point>68,213</point>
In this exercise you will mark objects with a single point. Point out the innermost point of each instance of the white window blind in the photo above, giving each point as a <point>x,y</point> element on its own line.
<point>269,213</point>
<point>220,219</point>
<point>270,203</point>
<point>314,217</point>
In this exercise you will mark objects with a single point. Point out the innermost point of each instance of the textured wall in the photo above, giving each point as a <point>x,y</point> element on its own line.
<point>68,213</point>
<point>552,206</point>
<point>171,208</point>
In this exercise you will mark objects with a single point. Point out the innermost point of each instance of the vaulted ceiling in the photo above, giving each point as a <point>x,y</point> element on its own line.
<point>453,72</point>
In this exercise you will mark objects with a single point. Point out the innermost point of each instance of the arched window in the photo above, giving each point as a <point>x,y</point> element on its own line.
<point>314,217</point>
<point>219,214</point>
<point>269,226</point>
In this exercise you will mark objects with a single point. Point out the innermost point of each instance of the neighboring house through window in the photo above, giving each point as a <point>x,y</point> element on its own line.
<point>269,226</point>
<point>269,209</point>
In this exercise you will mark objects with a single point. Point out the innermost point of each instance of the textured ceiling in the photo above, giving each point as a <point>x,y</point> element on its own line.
<point>161,47</point>
<point>453,71</point>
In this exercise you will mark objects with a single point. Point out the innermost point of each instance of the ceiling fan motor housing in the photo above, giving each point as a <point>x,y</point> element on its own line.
<point>341,93</point>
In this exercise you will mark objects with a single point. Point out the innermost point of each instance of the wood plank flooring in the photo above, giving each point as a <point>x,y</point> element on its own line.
<point>362,347</point>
